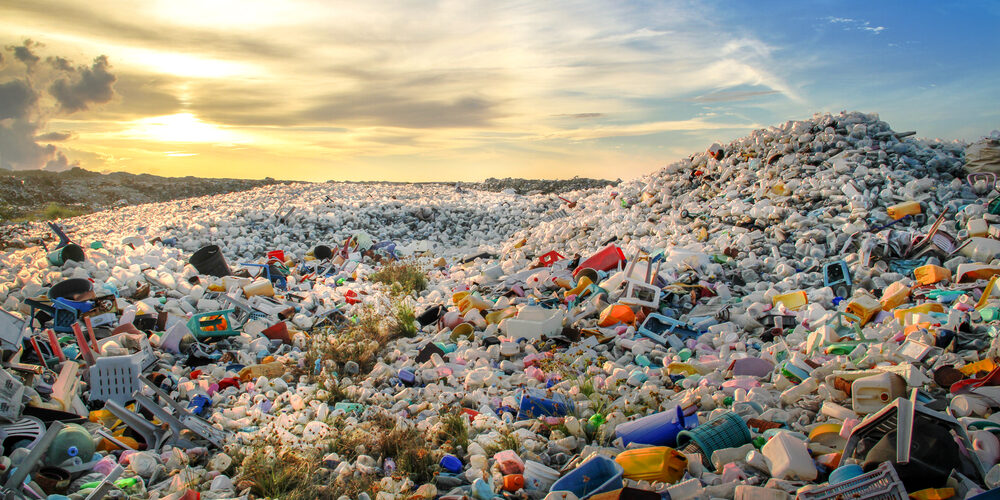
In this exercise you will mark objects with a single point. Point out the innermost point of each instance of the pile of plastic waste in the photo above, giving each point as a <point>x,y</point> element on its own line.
<point>809,311</point>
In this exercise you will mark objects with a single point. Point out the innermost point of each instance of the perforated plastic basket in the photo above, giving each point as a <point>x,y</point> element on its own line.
<point>115,378</point>
<point>879,484</point>
<point>725,431</point>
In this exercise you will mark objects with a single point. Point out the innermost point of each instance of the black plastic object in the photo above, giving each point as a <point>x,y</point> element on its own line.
<point>430,315</point>
<point>428,351</point>
<point>933,456</point>
<point>322,252</point>
<point>210,261</point>
<point>68,289</point>
<point>73,252</point>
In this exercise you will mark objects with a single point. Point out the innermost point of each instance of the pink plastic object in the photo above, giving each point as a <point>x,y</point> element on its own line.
<point>606,259</point>
<point>509,462</point>
<point>85,351</point>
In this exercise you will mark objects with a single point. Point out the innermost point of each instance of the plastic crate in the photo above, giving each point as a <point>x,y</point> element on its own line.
<point>115,378</point>
<point>725,431</point>
<point>11,397</point>
<point>212,325</point>
<point>879,484</point>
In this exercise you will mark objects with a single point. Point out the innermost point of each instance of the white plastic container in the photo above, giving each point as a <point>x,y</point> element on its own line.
<point>685,489</point>
<point>747,492</point>
<point>981,249</point>
<point>871,394</point>
<point>789,458</point>
<point>538,477</point>
<point>532,322</point>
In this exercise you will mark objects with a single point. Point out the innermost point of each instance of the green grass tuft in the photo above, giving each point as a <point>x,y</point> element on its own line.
<point>402,278</point>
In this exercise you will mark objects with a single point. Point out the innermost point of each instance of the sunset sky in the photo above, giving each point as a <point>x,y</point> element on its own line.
<point>463,90</point>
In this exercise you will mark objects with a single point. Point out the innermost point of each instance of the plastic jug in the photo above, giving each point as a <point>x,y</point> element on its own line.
<point>900,210</point>
<point>871,394</point>
<point>865,307</point>
<point>72,442</point>
<point>791,300</point>
<point>654,464</point>
<point>789,458</point>
<point>981,249</point>
<point>930,274</point>
<point>894,295</point>
<point>978,228</point>
<point>509,462</point>
<point>658,429</point>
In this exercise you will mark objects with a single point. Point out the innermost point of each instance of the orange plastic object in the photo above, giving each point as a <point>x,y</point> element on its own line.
<point>616,313</point>
<point>106,445</point>
<point>930,274</point>
<point>654,464</point>
<point>984,365</point>
<point>901,210</point>
<point>894,296</point>
<point>933,494</point>
<point>513,482</point>
<point>456,298</point>
<point>581,285</point>
<point>792,301</point>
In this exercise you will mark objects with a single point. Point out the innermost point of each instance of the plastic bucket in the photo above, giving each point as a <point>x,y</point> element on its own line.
<point>658,429</point>
<point>71,288</point>
<point>597,475</point>
<point>322,252</point>
<point>538,476</point>
<point>71,251</point>
<point>53,480</point>
<point>725,431</point>
<point>210,261</point>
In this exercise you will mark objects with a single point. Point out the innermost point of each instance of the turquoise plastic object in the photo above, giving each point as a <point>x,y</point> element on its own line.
<point>597,475</point>
<point>212,325</point>
<point>725,431</point>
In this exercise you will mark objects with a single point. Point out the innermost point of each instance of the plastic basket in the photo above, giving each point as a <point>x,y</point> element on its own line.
<point>879,484</point>
<point>212,325</point>
<point>725,431</point>
<point>115,378</point>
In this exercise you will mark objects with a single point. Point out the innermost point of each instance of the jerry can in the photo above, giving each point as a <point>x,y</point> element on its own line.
<point>978,228</point>
<point>901,210</point>
<point>871,394</point>
<point>894,296</point>
<point>655,464</point>
<point>930,274</point>
<point>864,307</point>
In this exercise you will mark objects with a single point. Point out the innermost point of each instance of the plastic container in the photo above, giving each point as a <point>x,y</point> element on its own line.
<point>900,210</point>
<point>792,301</point>
<point>615,314</point>
<point>72,442</point>
<point>789,458</point>
<point>747,492</point>
<point>981,249</point>
<point>725,431</point>
<point>894,295</point>
<point>210,325</point>
<point>845,473</point>
<point>509,462</point>
<point>871,394</point>
<point>930,274</point>
<point>654,464</point>
<point>534,403</point>
<point>513,482</point>
<point>451,463</point>
<point>864,307</point>
<point>658,429</point>
<point>597,475</point>
<point>879,484</point>
<point>538,476</point>
<point>69,252</point>
<point>115,378</point>
<point>606,259</point>
<point>210,261</point>
<point>532,322</point>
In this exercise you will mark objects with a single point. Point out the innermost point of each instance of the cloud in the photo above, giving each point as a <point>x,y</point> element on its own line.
<point>24,53</point>
<point>581,116</point>
<point>732,95</point>
<point>55,137</point>
<point>94,85</point>
<point>850,24</point>
<point>24,113</point>
<point>393,110</point>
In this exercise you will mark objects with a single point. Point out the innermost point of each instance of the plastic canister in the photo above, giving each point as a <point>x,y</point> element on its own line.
<point>900,210</point>
<point>789,458</point>
<point>981,249</point>
<point>654,464</point>
<point>930,274</point>
<point>73,441</point>
<point>658,429</point>
<point>513,482</point>
<point>747,492</point>
<point>791,300</point>
<point>509,462</point>
<point>978,228</point>
<point>865,307</point>
<point>871,394</point>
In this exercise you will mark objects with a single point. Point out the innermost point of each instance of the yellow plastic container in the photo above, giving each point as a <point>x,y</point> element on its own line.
<point>921,309</point>
<point>894,296</point>
<point>864,307</point>
<point>930,274</point>
<point>901,210</point>
<point>792,301</point>
<point>655,464</point>
<point>984,365</point>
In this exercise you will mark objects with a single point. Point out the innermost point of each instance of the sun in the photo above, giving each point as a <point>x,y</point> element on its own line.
<point>182,128</point>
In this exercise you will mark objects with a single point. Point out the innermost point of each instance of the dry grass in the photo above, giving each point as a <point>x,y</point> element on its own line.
<point>402,278</point>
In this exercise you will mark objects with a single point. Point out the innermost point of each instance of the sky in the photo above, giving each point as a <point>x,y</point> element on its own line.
<point>415,90</point>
